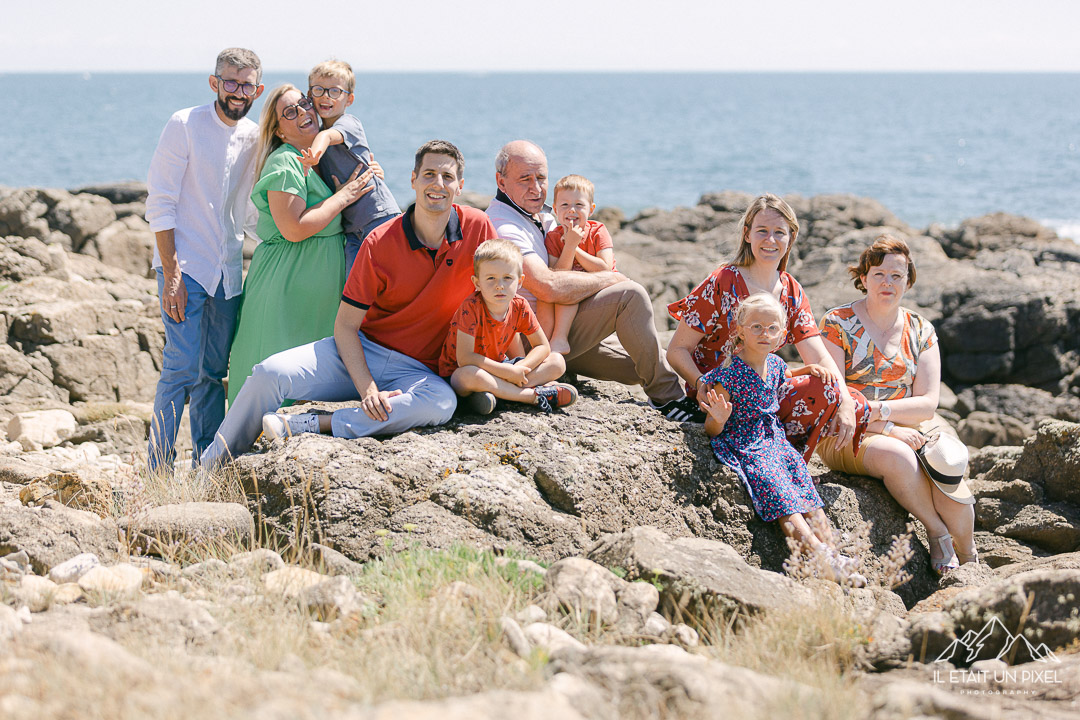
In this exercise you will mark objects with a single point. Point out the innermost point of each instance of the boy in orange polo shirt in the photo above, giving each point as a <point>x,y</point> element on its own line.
<point>483,330</point>
<point>577,243</point>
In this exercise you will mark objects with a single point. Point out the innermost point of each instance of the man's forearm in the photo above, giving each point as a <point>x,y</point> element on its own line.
<point>166,247</point>
<point>351,351</point>
<point>568,288</point>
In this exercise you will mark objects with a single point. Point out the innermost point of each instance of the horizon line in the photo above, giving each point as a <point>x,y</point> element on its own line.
<point>609,71</point>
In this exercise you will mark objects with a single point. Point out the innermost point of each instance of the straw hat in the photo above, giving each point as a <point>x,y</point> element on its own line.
<point>945,459</point>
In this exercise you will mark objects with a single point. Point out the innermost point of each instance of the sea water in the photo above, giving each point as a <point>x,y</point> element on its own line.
<point>931,147</point>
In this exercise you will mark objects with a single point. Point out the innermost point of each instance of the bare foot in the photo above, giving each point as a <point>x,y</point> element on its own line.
<point>560,345</point>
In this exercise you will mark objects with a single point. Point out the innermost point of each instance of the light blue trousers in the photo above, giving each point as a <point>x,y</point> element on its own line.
<point>315,372</point>
<point>194,362</point>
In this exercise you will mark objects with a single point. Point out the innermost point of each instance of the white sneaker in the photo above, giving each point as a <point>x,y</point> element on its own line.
<point>280,426</point>
<point>845,570</point>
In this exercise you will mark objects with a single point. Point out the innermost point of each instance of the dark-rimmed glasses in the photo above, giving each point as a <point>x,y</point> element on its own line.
<point>291,112</point>
<point>332,93</point>
<point>231,86</point>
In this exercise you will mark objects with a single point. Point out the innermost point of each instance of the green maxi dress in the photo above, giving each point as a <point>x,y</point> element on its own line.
<point>293,289</point>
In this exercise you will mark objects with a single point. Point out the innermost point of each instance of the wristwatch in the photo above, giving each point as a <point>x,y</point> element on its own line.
<point>884,411</point>
<point>889,426</point>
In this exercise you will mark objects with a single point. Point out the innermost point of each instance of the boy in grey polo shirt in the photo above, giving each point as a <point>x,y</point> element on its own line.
<point>340,147</point>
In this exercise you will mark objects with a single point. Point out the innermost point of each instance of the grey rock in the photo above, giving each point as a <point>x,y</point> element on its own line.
<point>18,562</point>
<point>117,193</point>
<point>169,617</point>
<point>334,598</point>
<point>1045,599</point>
<point>80,216</point>
<point>584,589</point>
<point>211,568</point>
<point>179,526</point>
<point>656,625</point>
<point>515,637</point>
<point>52,533</point>
<point>127,244</point>
<point>980,429</point>
<point>33,592</point>
<point>71,570</point>
<point>696,571</point>
<point>553,640</point>
<point>255,562</point>
<point>332,562</point>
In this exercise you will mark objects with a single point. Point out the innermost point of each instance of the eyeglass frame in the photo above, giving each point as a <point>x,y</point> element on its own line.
<point>241,86</point>
<point>763,328</point>
<point>304,103</point>
<point>329,92</point>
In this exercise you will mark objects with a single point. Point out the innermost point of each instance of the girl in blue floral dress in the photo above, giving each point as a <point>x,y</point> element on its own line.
<point>748,437</point>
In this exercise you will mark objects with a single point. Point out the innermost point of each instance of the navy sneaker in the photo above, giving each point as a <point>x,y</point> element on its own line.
<point>549,397</point>
<point>683,410</point>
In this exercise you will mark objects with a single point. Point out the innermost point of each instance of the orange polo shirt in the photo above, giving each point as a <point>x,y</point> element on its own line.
<point>410,293</point>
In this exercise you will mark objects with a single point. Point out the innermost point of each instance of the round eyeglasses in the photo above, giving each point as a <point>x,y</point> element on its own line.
<point>758,330</point>
<point>333,93</point>
<point>231,86</point>
<point>291,112</point>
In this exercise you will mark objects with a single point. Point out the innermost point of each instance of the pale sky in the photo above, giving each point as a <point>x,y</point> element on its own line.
<point>549,35</point>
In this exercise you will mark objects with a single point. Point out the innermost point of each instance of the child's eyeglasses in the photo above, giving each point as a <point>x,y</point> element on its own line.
<point>319,91</point>
<point>231,86</point>
<point>291,112</point>
<point>767,330</point>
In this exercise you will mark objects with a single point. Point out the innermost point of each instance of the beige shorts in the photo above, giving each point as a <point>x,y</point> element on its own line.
<point>844,460</point>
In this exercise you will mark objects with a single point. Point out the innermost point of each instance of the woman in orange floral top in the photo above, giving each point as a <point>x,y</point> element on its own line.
<point>809,405</point>
<point>891,355</point>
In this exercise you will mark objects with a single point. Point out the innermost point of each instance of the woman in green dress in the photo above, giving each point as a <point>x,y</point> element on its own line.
<point>293,286</point>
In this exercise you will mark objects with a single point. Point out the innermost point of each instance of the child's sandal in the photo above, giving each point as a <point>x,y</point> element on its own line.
<point>942,556</point>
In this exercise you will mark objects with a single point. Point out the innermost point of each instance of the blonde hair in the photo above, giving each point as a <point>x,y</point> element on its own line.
<point>757,301</point>
<point>269,124</point>
<point>498,249</point>
<point>337,69</point>
<point>744,257</point>
<point>574,182</point>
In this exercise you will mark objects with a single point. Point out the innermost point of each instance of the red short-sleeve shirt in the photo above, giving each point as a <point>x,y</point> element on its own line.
<point>598,238</point>
<point>710,309</point>
<point>410,292</point>
<point>492,337</point>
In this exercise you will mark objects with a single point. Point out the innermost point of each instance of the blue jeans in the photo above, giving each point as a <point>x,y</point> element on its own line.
<point>315,372</point>
<point>193,364</point>
<point>353,241</point>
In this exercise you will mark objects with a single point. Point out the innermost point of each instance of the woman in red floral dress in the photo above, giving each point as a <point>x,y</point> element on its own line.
<point>706,318</point>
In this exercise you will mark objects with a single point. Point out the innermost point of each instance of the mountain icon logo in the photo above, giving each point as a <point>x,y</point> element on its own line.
<point>994,642</point>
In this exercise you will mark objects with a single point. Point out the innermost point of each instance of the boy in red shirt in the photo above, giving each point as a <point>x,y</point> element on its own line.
<point>578,243</point>
<point>483,330</point>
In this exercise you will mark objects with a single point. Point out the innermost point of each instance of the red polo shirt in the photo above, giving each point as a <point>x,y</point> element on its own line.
<point>410,292</point>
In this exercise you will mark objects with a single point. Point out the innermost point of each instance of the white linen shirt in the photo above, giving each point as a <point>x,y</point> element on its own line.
<point>511,223</point>
<point>199,185</point>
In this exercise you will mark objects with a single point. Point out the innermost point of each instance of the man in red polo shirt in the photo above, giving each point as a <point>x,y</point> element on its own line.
<point>409,278</point>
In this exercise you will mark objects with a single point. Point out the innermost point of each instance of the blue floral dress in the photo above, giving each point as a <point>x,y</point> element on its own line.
<point>754,445</point>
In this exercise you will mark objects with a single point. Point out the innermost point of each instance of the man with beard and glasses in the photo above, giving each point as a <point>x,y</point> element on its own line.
<point>199,185</point>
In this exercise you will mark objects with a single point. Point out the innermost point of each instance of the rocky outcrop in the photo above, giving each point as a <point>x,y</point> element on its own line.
<point>1008,312</point>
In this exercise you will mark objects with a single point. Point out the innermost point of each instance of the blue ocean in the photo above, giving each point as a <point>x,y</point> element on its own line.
<point>931,147</point>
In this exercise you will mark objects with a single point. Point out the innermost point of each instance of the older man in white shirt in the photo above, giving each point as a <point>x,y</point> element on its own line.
<point>199,184</point>
<point>608,303</point>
